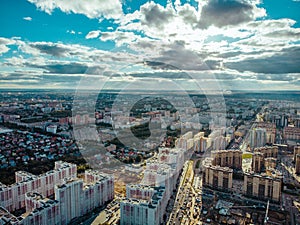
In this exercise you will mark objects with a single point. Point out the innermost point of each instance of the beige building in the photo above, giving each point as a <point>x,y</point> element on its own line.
<point>201,144</point>
<point>291,133</point>
<point>260,163</point>
<point>270,129</point>
<point>263,186</point>
<point>257,162</point>
<point>296,151</point>
<point>268,151</point>
<point>270,163</point>
<point>227,158</point>
<point>218,177</point>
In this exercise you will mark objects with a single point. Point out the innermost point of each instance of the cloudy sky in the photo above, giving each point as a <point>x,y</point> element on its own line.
<point>236,44</point>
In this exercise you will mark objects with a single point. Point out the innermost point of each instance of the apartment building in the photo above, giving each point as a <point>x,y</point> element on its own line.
<point>227,158</point>
<point>218,177</point>
<point>263,186</point>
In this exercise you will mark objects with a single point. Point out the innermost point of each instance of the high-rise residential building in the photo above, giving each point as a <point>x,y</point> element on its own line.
<point>296,151</point>
<point>143,210</point>
<point>218,177</point>
<point>297,122</point>
<point>73,197</point>
<point>41,210</point>
<point>284,120</point>
<point>261,160</point>
<point>270,163</point>
<point>291,133</point>
<point>270,131</point>
<point>220,142</point>
<point>297,164</point>
<point>171,156</point>
<point>258,137</point>
<point>268,151</point>
<point>257,162</point>
<point>164,170</point>
<point>13,196</point>
<point>138,191</point>
<point>146,203</point>
<point>227,158</point>
<point>163,175</point>
<point>46,212</point>
<point>69,197</point>
<point>186,141</point>
<point>263,186</point>
<point>201,144</point>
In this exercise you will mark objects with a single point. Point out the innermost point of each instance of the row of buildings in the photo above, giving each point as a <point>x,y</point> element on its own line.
<point>216,140</point>
<point>146,202</point>
<point>261,134</point>
<point>263,181</point>
<point>55,197</point>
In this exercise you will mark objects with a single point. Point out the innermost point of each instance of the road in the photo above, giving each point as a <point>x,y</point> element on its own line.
<point>185,201</point>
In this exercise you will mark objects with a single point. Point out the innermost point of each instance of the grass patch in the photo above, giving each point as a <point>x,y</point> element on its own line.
<point>247,156</point>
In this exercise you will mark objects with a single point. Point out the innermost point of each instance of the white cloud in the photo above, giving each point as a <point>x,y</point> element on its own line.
<point>7,41</point>
<point>3,49</point>
<point>119,37</point>
<point>212,38</point>
<point>71,32</point>
<point>110,9</point>
<point>93,34</point>
<point>28,18</point>
<point>4,42</point>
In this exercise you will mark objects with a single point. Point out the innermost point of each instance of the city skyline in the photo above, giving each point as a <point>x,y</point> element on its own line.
<point>225,45</point>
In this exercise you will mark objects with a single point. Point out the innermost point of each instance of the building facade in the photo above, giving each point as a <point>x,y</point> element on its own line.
<point>73,197</point>
<point>296,151</point>
<point>227,158</point>
<point>145,206</point>
<point>258,162</point>
<point>297,164</point>
<point>12,197</point>
<point>268,151</point>
<point>262,186</point>
<point>218,177</point>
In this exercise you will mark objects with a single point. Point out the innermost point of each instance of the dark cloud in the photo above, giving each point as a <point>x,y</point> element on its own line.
<point>226,12</point>
<point>18,76</point>
<point>155,15</point>
<point>160,65</point>
<point>58,78</point>
<point>213,64</point>
<point>225,76</point>
<point>166,75</point>
<point>188,15</point>
<point>286,34</point>
<point>286,61</point>
<point>39,80</point>
<point>178,56</point>
<point>51,49</point>
<point>63,68</point>
<point>276,77</point>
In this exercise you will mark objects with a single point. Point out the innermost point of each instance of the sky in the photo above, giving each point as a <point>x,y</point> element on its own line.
<point>130,44</point>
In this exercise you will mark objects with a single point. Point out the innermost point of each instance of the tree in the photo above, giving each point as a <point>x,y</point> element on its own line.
<point>138,159</point>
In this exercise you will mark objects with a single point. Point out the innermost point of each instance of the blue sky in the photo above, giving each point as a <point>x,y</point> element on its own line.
<point>236,44</point>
